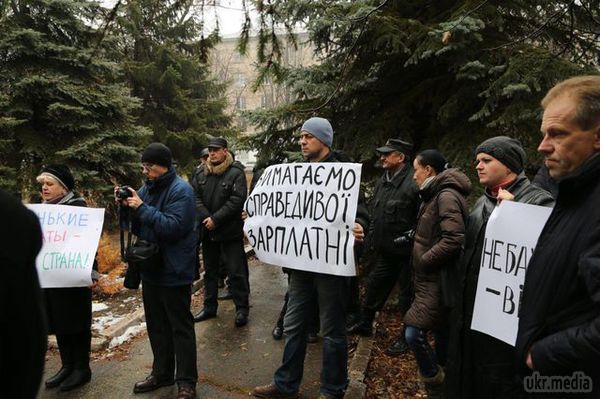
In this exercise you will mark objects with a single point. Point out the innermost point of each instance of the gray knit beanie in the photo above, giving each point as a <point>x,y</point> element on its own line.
<point>320,128</point>
<point>505,149</point>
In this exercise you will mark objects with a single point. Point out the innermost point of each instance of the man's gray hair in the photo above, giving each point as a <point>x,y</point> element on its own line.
<point>585,90</point>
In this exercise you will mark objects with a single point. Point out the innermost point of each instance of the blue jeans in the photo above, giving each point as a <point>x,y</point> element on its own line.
<point>427,359</point>
<point>332,296</point>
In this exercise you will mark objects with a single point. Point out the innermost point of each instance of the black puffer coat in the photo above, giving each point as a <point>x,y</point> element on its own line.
<point>497,355</point>
<point>439,237</point>
<point>394,211</point>
<point>221,192</point>
<point>560,308</point>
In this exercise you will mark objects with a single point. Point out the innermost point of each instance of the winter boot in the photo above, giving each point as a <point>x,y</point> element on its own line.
<point>434,386</point>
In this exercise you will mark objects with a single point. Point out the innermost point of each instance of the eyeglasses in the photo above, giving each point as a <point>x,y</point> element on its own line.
<point>147,166</point>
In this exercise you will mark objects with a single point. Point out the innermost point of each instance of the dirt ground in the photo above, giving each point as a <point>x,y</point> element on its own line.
<point>391,377</point>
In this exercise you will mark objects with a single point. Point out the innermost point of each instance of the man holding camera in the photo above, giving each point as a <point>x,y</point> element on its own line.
<point>163,213</point>
<point>395,205</point>
<point>220,195</point>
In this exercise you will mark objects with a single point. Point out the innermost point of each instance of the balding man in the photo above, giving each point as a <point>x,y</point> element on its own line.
<point>559,326</point>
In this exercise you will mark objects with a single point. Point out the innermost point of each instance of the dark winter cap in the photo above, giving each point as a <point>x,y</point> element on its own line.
<point>396,145</point>
<point>158,154</point>
<point>204,152</point>
<point>505,149</point>
<point>60,173</point>
<point>217,142</point>
<point>320,128</point>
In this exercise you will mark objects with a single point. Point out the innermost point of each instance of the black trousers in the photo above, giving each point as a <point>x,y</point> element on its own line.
<point>75,349</point>
<point>388,269</point>
<point>171,332</point>
<point>231,256</point>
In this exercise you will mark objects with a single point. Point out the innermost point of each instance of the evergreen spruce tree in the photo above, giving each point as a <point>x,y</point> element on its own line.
<point>165,56</point>
<point>62,99</point>
<point>443,74</point>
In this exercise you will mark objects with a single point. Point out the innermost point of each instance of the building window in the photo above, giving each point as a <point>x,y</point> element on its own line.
<point>236,57</point>
<point>240,79</point>
<point>240,103</point>
<point>265,101</point>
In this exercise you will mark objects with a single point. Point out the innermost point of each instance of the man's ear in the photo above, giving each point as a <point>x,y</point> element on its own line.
<point>597,138</point>
<point>402,157</point>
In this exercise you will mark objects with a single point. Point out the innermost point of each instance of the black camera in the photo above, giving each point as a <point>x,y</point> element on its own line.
<point>405,239</point>
<point>123,192</point>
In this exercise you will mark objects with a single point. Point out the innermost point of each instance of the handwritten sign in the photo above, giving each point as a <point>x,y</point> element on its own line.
<point>301,216</point>
<point>70,236</point>
<point>510,239</point>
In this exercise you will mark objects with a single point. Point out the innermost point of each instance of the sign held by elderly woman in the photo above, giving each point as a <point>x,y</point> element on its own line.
<point>301,216</point>
<point>70,235</point>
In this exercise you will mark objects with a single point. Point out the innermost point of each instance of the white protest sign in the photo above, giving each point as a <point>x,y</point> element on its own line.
<point>301,216</point>
<point>510,239</point>
<point>70,235</point>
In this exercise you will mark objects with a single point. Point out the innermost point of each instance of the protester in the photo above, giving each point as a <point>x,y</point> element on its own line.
<point>163,214</point>
<point>438,241</point>
<point>220,199</point>
<point>559,321</point>
<point>315,142</point>
<point>394,212</point>
<point>68,309</point>
<point>22,321</point>
<point>480,366</point>
<point>313,320</point>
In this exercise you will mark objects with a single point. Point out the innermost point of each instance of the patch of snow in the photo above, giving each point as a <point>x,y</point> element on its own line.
<point>101,322</point>
<point>98,306</point>
<point>130,332</point>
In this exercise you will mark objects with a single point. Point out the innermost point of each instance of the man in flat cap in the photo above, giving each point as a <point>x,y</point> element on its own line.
<point>394,211</point>
<point>220,199</point>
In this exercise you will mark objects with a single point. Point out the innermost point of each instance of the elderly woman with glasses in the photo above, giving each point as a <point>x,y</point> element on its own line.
<point>68,309</point>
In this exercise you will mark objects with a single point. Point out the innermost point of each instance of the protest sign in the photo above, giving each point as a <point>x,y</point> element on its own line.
<point>301,216</point>
<point>70,236</point>
<point>510,239</point>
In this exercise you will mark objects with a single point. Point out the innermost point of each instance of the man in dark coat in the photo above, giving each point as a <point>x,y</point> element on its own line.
<point>332,295</point>
<point>394,213</point>
<point>559,320</point>
<point>479,365</point>
<point>22,319</point>
<point>164,214</point>
<point>220,198</point>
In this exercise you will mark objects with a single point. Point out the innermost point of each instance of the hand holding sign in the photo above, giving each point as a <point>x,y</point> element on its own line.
<point>510,238</point>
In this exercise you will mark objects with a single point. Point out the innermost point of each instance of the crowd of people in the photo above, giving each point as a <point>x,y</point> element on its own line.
<point>426,241</point>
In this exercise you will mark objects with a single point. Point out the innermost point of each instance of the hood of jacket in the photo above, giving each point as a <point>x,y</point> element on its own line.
<point>448,179</point>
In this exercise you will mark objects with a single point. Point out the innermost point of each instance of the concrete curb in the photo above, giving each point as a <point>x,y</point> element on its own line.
<point>101,342</point>
<point>358,367</point>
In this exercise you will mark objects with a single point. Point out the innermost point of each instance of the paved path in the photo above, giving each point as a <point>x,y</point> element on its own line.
<point>230,360</point>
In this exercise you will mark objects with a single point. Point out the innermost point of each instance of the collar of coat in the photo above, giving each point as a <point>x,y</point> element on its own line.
<point>219,169</point>
<point>398,177</point>
<point>579,182</point>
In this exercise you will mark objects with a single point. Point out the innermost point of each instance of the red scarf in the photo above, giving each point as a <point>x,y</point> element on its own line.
<point>494,190</point>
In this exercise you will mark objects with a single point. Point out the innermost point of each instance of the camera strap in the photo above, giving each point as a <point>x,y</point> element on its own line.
<point>124,213</point>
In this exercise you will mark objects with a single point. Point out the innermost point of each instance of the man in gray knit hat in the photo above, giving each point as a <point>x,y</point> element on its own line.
<point>479,365</point>
<point>315,143</point>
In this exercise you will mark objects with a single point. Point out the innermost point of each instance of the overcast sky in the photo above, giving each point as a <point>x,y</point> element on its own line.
<point>228,12</point>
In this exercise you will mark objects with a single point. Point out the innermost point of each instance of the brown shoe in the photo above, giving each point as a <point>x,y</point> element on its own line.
<point>186,392</point>
<point>271,392</point>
